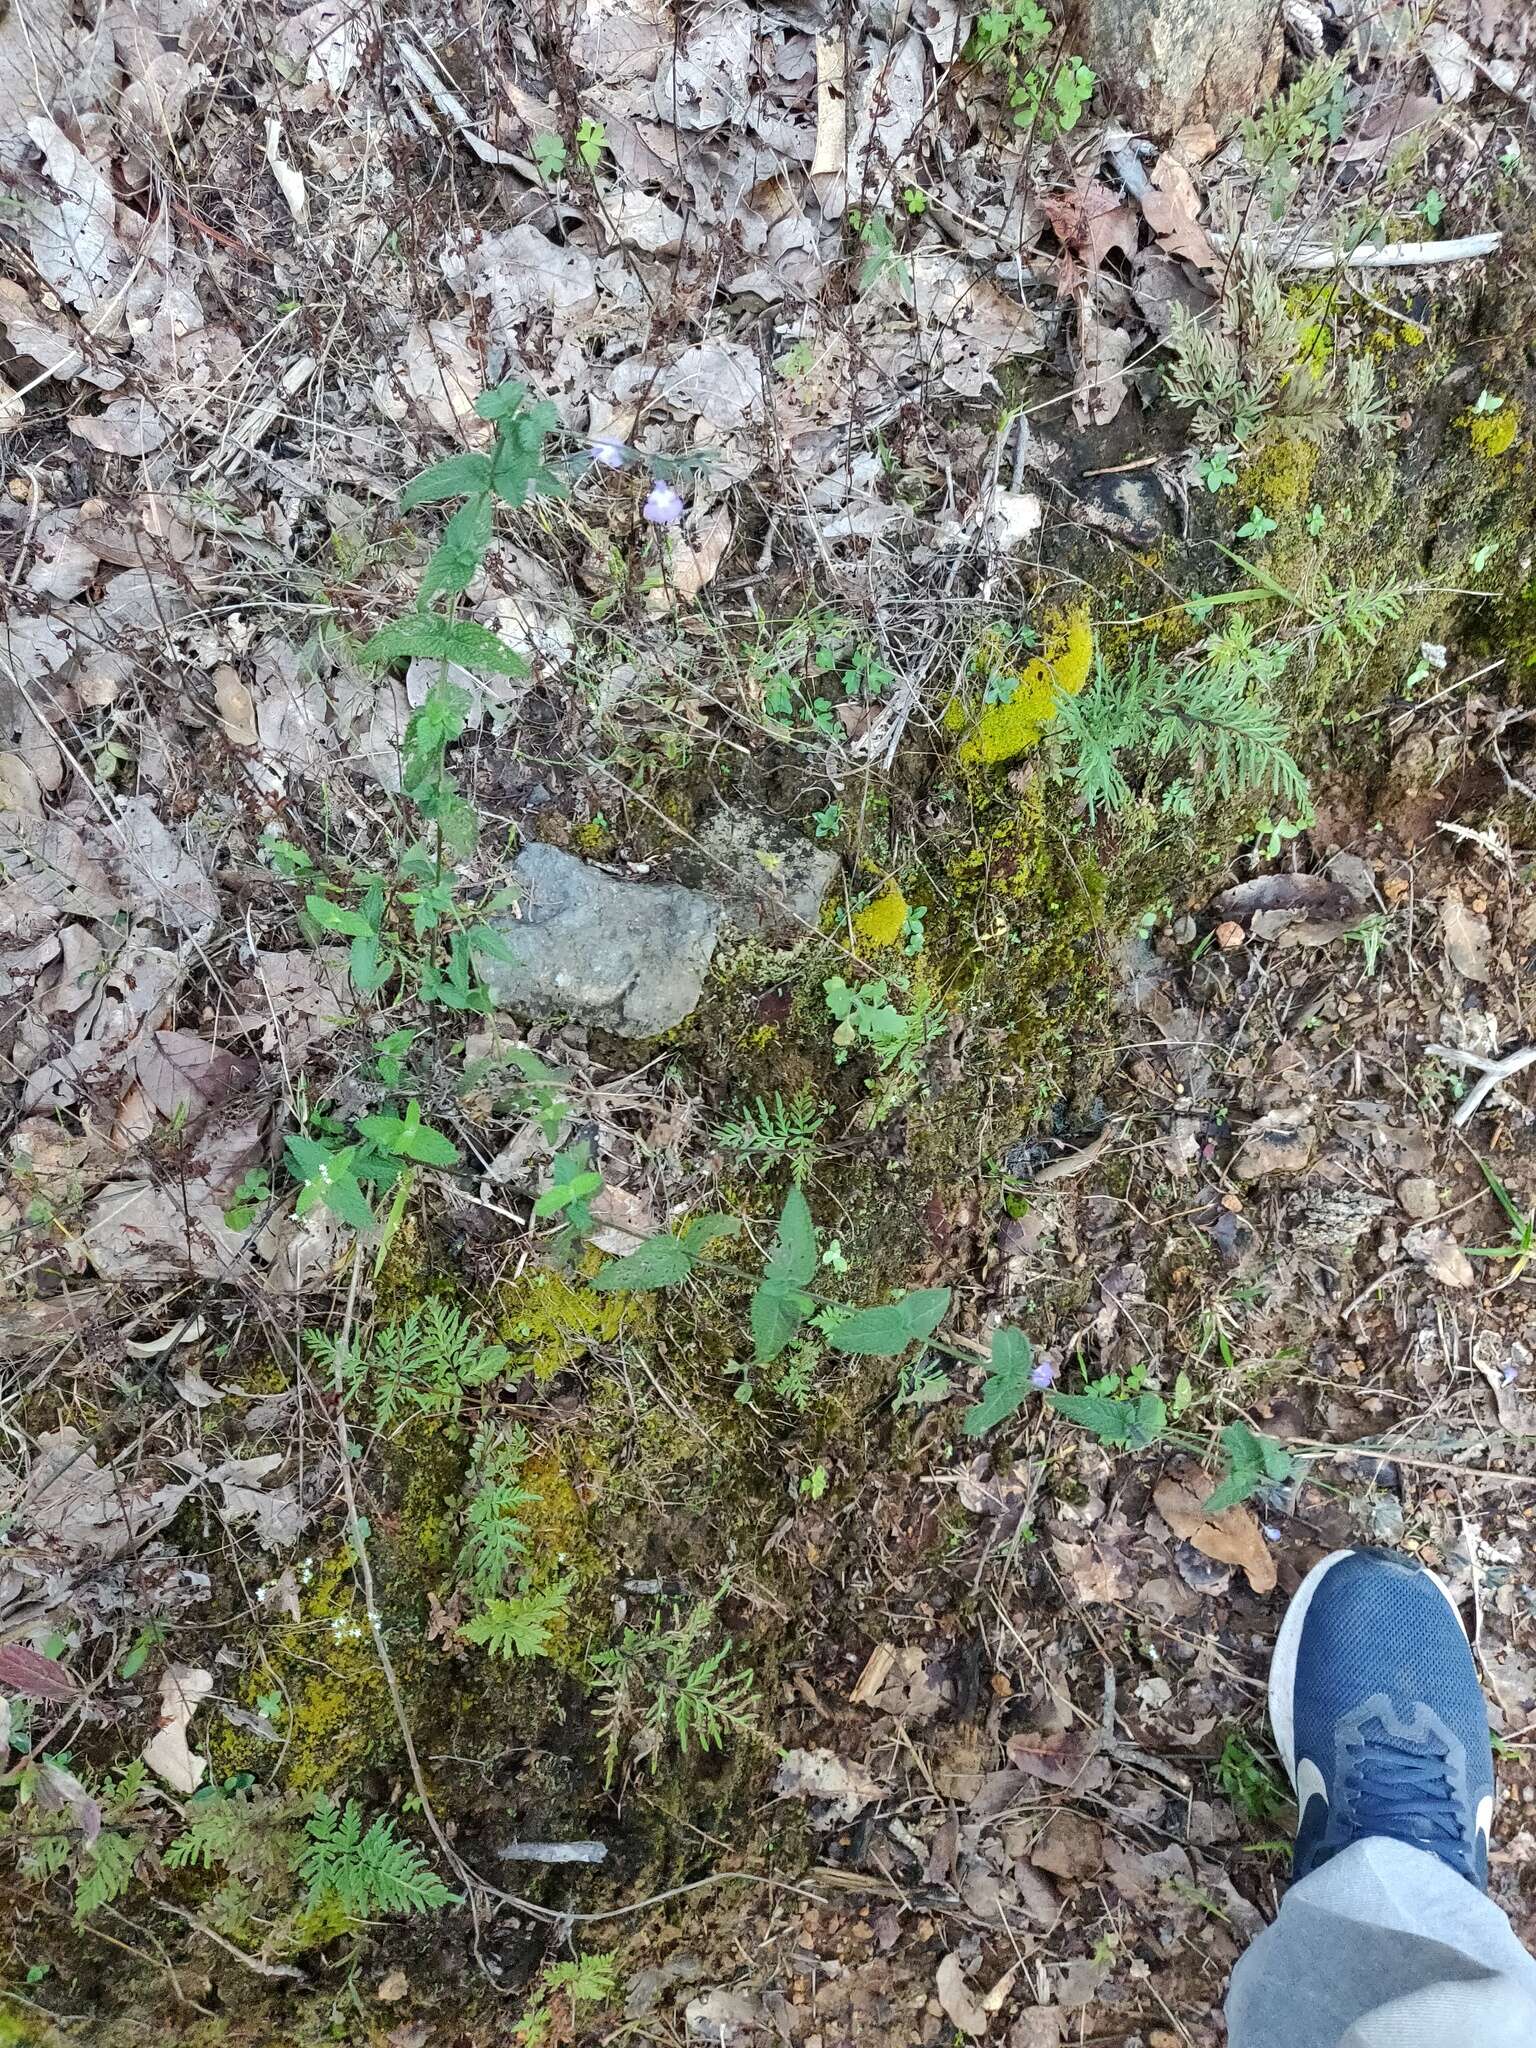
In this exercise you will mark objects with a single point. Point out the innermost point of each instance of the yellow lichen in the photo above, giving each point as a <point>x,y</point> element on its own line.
<point>882,922</point>
<point>1493,433</point>
<point>1001,731</point>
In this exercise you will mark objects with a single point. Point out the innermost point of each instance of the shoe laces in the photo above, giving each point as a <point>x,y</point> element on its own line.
<point>1404,1789</point>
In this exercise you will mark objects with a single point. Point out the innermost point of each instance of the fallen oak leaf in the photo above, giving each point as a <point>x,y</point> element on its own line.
<point>1170,206</point>
<point>1232,1537</point>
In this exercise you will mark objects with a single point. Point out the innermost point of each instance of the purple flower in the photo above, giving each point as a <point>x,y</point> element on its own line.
<point>608,452</point>
<point>1511,1374</point>
<point>663,506</point>
<point>1044,1374</point>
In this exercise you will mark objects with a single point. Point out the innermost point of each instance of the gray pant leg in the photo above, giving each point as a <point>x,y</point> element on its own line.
<point>1384,1947</point>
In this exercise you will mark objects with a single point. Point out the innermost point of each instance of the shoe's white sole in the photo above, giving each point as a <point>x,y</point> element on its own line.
<point>1282,1669</point>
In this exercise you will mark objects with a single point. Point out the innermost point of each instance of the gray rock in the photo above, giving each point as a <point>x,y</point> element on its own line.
<point>773,879</point>
<point>628,957</point>
<point>1163,63</point>
<point>1135,504</point>
<point>1418,1197</point>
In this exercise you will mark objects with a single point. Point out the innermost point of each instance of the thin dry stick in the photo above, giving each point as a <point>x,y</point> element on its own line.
<point>257,1964</point>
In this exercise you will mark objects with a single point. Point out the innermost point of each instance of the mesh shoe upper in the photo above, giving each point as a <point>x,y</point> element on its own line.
<point>1379,1715</point>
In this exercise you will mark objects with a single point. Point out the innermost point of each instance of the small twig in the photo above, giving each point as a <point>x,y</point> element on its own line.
<point>1074,1163</point>
<point>1494,1074</point>
<point>1390,256</point>
<point>254,1963</point>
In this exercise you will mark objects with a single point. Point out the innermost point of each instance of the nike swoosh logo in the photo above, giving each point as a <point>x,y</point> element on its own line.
<point>1484,1822</point>
<point>1310,1784</point>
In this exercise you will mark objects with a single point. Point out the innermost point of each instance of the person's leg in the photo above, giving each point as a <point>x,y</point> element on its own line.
<point>1385,1939</point>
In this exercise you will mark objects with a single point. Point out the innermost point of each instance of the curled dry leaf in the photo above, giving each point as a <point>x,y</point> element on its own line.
<point>167,1752</point>
<point>35,1676</point>
<point>964,2010</point>
<point>695,559</point>
<point>1232,1537</point>
<point>1171,206</point>
<point>1102,388</point>
<point>1434,1248</point>
<point>290,182</point>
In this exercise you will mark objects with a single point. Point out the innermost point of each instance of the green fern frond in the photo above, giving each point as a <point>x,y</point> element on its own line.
<point>495,1534</point>
<point>422,1365</point>
<point>106,1870</point>
<point>768,1135</point>
<point>365,1872</point>
<point>589,1980</point>
<point>519,1626</point>
<point>233,1829</point>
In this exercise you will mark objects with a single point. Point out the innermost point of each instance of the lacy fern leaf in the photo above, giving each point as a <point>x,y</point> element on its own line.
<point>365,1871</point>
<point>422,1365</point>
<point>106,1870</point>
<point>519,1626</point>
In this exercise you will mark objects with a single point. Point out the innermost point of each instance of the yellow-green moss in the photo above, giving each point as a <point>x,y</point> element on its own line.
<point>1493,434</point>
<point>1001,732</point>
<point>1281,476</point>
<point>337,1721</point>
<point>882,922</point>
<point>550,1324</point>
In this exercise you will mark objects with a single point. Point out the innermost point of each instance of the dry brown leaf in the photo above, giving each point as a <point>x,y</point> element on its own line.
<point>1232,1537</point>
<point>180,1071</point>
<point>74,241</point>
<point>1070,1846</point>
<point>1468,943</point>
<point>1091,222</point>
<point>1171,205</point>
<point>124,426</point>
<point>1434,1248</point>
<point>91,1512</point>
<point>695,559</point>
<point>1064,1757</point>
<point>962,2007</point>
<point>1101,389</point>
<point>167,1752</point>
<point>817,1774</point>
<point>159,875</point>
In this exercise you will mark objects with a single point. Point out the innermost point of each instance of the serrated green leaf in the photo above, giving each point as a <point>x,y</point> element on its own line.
<point>502,401</point>
<point>1127,1425</point>
<point>775,1313</point>
<point>1007,1385</point>
<point>336,917</point>
<point>347,1202</point>
<point>460,551</point>
<point>887,1331</point>
<point>704,1231</point>
<point>457,477</point>
<point>792,1259</point>
<point>366,964</point>
<point>1253,1461</point>
<point>430,637</point>
<point>409,1138</point>
<point>660,1262</point>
